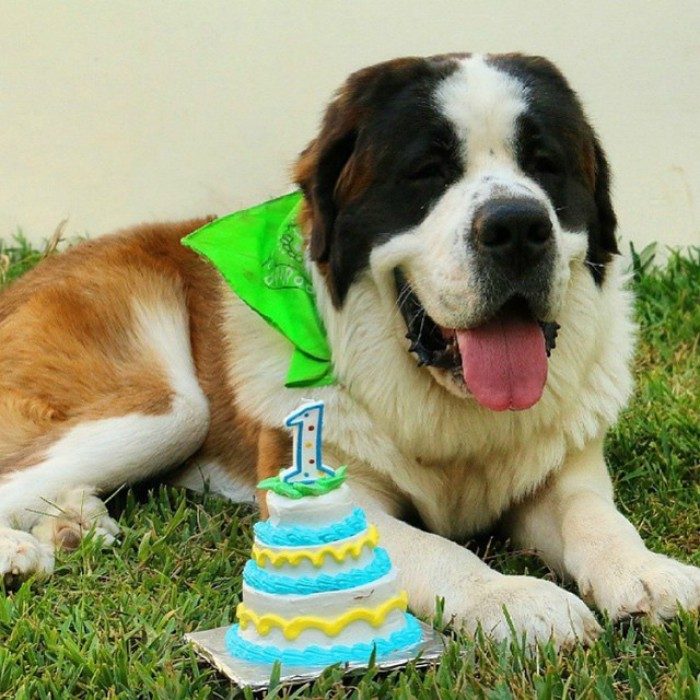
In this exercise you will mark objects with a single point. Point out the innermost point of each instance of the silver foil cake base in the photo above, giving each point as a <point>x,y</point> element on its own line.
<point>210,645</point>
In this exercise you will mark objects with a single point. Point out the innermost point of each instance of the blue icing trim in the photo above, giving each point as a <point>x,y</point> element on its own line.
<point>315,655</point>
<point>267,582</point>
<point>296,536</point>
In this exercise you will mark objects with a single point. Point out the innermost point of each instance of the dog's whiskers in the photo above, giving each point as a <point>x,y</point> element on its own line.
<point>401,299</point>
<point>422,323</point>
<point>415,316</point>
<point>403,296</point>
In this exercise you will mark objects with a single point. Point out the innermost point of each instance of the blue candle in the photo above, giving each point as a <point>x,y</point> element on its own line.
<point>307,465</point>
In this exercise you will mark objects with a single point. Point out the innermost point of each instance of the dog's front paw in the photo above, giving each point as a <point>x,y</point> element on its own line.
<point>537,609</point>
<point>64,523</point>
<point>643,584</point>
<point>22,555</point>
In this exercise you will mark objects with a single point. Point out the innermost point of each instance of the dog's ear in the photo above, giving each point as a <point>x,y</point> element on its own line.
<point>330,171</point>
<point>607,221</point>
<point>338,166</point>
<point>319,168</point>
<point>602,244</point>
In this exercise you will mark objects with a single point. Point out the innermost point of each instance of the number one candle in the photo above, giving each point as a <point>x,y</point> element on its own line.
<point>307,465</point>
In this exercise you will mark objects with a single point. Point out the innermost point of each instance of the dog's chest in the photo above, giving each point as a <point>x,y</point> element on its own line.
<point>469,502</point>
<point>472,493</point>
<point>443,477</point>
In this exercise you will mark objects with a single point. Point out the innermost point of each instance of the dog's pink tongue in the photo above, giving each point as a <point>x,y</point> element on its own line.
<point>504,362</point>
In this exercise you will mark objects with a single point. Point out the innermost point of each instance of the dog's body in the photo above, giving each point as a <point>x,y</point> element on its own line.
<point>465,189</point>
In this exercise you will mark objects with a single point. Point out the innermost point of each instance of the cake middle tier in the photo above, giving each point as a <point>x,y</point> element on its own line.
<point>331,558</point>
<point>269,581</point>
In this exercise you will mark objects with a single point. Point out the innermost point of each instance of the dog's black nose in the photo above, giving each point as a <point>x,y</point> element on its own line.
<point>513,231</point>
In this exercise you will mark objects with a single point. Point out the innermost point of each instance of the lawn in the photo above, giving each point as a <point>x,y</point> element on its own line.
<point>109,623</point>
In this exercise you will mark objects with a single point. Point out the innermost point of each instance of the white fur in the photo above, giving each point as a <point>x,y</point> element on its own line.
<point>576,527</point>
<point>21,554</point>
<point>483,104</point>
<point>212,477</point>
<point>127,449</point>
<point>461,466</point>
<point>473,594</point>
<point>165,332</point>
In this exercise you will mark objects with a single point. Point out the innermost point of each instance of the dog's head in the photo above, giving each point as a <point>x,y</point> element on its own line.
<point>464,187</point>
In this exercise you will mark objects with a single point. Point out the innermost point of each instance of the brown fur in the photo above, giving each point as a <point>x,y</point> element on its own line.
<point>69,353</point>
<point>274,452</point>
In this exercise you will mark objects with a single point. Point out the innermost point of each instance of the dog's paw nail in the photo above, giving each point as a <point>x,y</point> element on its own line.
<point>67,539</point>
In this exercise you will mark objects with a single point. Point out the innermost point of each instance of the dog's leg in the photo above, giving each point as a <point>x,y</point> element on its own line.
<point>102,455</point>
<point>575,526</point>
<point>56,476</point>
<point>274,452</point>
<point>432,567</point>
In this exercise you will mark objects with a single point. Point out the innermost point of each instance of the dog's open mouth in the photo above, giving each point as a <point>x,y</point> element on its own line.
<point>502,362</point>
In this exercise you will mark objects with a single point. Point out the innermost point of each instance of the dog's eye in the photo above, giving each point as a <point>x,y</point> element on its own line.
<point>426,170</point>
<point>545,164</point>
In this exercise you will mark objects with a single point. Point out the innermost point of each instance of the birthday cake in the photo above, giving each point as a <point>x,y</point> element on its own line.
<point>317,589</point>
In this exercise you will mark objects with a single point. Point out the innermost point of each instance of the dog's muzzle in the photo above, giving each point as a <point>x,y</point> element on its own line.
<point>501,356</point>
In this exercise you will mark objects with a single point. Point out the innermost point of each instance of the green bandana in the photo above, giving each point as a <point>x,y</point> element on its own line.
<point>259,253</point>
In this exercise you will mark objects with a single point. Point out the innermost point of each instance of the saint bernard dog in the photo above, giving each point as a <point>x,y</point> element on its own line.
<point>461,239</point>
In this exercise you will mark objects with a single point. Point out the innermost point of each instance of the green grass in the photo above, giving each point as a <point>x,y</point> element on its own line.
<point>109,623</point>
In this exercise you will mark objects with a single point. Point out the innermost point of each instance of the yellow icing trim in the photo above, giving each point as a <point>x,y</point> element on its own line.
<point>292,628</point>
<point>315,556</point>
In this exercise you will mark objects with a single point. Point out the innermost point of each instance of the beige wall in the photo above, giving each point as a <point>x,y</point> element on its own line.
<point>115,112</point>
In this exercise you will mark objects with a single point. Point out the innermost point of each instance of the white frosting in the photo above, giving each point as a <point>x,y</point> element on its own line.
<point>311,511</point>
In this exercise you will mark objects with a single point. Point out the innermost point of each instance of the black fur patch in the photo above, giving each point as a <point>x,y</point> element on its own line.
<point>557,147</point>
<point>408,154</point>
<point>416,157</point>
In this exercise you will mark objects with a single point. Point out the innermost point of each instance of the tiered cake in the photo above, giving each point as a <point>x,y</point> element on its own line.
<point>317,589</point>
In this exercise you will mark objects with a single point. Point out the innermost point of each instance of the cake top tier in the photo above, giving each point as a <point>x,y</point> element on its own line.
<point>308,475</point>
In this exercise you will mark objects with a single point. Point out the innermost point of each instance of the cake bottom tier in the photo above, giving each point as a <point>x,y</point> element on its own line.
<point>404,638</point>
